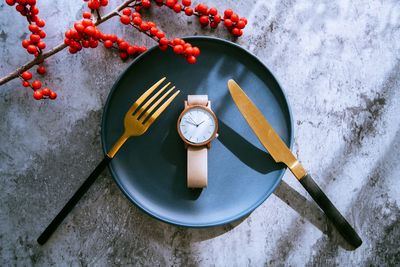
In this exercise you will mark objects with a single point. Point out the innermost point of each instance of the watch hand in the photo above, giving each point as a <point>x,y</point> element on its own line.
<point>191,123</point>
<point>200,123</point>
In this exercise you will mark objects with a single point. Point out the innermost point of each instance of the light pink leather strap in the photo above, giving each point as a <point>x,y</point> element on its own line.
<point>197,100</point>
<point>197,156</point>
<point>197,166</point>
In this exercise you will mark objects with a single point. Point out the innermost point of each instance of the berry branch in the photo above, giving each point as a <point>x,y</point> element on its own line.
<point>85,34</point>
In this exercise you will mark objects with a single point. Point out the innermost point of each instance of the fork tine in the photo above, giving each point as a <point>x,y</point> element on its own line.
<point>160,109</point>
<point>148,102</point>
<point>147,112</point>
<point>144,96</point>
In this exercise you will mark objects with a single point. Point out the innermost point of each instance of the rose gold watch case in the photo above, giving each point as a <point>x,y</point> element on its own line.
<point>208,109</point>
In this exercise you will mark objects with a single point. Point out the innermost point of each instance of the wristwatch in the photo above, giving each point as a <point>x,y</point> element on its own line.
<point>197,126</point>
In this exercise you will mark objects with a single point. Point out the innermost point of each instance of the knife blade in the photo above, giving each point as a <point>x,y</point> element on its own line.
<point>264,131</point>
<point>281,153</point>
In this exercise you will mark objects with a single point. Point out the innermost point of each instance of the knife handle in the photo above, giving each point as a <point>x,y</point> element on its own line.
<point>331,211</point>
<point>72,201</point>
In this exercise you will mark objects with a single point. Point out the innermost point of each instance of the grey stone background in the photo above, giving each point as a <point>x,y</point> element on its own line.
<point>338,62</point>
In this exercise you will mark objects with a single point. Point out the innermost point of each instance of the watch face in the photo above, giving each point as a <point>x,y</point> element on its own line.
<point>197,125</point>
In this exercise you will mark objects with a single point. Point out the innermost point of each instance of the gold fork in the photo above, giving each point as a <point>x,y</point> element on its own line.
<point>137,121</point>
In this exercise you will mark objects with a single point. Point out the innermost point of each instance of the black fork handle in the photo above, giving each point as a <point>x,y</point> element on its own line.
<point>73,200</point>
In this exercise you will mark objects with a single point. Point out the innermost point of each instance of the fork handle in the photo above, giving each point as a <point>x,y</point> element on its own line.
<point>73,200</point>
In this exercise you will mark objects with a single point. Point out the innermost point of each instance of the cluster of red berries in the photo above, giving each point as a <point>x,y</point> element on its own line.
<point>208,16</point>
<point>36,85</point>
<point>84,34</point>
<point>179,46</point>
<point>96,4</point>
<point>125,48</point>
<point>34,45</point>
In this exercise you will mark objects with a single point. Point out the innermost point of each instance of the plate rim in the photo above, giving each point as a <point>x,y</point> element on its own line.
<point>175,222</point>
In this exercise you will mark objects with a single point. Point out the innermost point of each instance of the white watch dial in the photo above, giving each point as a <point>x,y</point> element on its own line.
<point>197,125</point>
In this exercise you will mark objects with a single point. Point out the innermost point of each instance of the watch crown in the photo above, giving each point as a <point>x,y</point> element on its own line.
<point>216,135</point>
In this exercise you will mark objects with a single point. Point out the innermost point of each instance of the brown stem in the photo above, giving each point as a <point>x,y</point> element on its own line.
<point>58,48</point>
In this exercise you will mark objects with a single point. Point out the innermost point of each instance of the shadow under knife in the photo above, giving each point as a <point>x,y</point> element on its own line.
<point>262,162</point>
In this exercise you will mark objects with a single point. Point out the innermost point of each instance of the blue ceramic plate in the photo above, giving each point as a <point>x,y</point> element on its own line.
<point>151,169</point>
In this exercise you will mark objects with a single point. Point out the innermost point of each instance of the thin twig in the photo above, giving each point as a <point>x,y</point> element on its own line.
<point>58,48</point>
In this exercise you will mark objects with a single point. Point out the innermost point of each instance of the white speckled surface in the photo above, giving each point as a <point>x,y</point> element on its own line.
<point>338,62</point>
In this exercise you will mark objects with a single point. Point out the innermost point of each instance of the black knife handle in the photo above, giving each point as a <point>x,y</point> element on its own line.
<point>331,211</point>
<point>73,200</point>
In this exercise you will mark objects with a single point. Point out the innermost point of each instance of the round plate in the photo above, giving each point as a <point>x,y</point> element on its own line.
<point>151,169</point>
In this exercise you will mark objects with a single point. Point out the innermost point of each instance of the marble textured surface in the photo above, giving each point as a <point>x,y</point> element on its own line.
<point>338,62</point>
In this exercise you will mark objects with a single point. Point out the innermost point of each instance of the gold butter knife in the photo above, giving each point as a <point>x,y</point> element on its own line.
<point>281,153</point>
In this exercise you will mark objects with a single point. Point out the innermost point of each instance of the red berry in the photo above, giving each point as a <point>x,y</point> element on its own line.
<point>79,27</point>
<point>244,20</point>
<point>191,59</point>
<point>25,43</point>
<point>163,47</point>
<point>188,11</point>
<point>213,11</point>
<point>52,95</point>
<point>46,91</point>
<point>93,4</point>
<point>189,51</point>
<point>170,3</point>
<point>67,41</point>
<point>146,3</point>
<point>42,34</point>
<point>234,17</point>
<point>213,24</point>
<point>10,2</point>
<point>103,2</point>
<point>160,35</point>
<point>153,31</point>
<point>37,95</point>
<point>20,8</point>
<point>127,11</point>
<point>93,43</point>
<point>237,32</point>
<point>178,49</point>
<point>125,19</point>
<point>108,44</point>
<point>41,45</point>
<point>85,43</point>
<point>41,70</point>
<point>31,49</point>
<point>144,26</point>
<point>31,2</point>
<point>196,51</point>
<point>72,50</point>
<point>123,45</point>
<point>36,84</point>
<point>25,84</point>
<point>228,23</point>
<point>86,15</point>
<point>186,2</point>
<point>40,23</point>
<point>26,75</point>
<point>34,10</point>
<point>141,49</point>
<point>131,50</point>
<point>123,55</point>
<point>240,24</point>
<point>87,22</point>
<point>137,20</point>
<point>202,8</point>
<point>90,30</point>
<point>217,19</point>
<point>33,28</point>
<point>35,38</point>
<point>228,13</point>
<point>164,41</point>
<point>204,20</point>
<point>177,8</point>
